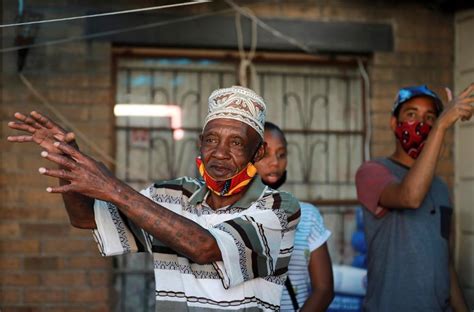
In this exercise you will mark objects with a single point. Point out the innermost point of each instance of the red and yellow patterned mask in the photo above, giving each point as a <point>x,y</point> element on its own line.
<point>230,186</point>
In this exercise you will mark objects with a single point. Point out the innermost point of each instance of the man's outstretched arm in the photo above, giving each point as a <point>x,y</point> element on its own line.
<point>91,179</point>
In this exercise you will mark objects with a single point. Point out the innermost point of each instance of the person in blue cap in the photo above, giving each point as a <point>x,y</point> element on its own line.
<point>407,209</point>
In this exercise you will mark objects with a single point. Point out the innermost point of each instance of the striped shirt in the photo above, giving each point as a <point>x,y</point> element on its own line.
<point>255,236</point>
<point>310,235</point>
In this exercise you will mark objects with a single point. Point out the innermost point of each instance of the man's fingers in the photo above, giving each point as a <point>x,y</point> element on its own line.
<point>60,160</point>
<point>449,94</point>
<point>57,173</point>
<point>71,151</point>
<point>45,122</point>
<point>21,126</point>
<point>468,99</point>
<point>27,120</point>
<point>60,189</point>
<point>68,137</point>
<point>468,90</point>
<point>20,138</point>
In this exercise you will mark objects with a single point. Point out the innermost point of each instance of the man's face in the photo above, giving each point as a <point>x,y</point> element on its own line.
<point>227,146</point>
<point>420,109</point>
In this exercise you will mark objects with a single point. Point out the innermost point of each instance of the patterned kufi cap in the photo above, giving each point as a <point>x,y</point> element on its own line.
<point>237,103</point>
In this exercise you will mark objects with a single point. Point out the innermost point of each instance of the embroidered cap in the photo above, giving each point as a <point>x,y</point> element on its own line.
<point>408,93</point>
<point>238,103</point>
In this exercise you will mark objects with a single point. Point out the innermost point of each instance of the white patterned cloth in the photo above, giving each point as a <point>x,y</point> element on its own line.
<point>255,237</point>
<point>237,103</point>
<point>310,235</point>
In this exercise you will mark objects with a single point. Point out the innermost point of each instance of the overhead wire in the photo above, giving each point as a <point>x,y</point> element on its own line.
<point>271,29</point>
<point>160,7</point>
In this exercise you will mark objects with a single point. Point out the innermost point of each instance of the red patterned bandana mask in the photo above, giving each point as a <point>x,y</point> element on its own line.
<point>412,135</point>
<point>230,186</point>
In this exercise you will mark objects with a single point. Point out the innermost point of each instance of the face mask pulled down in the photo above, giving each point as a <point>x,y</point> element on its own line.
<point>230,186</point>
<point>412,136</point>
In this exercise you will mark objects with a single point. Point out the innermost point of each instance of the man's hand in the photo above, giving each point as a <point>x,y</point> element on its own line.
<point>42,131</point>
<point>459,107</point>
<point>84,174</point>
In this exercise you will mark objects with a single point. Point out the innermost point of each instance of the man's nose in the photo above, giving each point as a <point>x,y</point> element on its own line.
<point>221,150</point>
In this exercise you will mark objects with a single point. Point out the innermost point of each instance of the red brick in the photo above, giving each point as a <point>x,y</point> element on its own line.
<point>18,211</point>
<point>99,278</point>
<point>37,198</point>
<point>380,120</point>
<point>89,262</point>
<point>25,180</point>
<point>11,230</point>
<point>79,80</point>
<point>22,309</point>
<point>10,263</point>
<point>19,279</point>
<point>382,150</point>
<point>89,307</point>
<point>10,295</point>
<point>44,229</point>
<point>44,296</point>
<point>383,136</point>
<point>380,73</point>
<point>78,233</point>
<point>13,246</point>
<point>62,278</point>
<point>41,263</point>
<point>70,246</point>
<point>381,89</point>
<point>411,44</point>
<point>88,295</point>
<point>382,105</point>
<point>86,96</point>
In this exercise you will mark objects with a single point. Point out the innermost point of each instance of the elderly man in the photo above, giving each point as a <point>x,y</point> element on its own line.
<point>408,211</point>
<point>222,242</point>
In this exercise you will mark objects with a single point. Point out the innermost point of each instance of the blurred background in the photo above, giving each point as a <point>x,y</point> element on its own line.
<point>134,88</point>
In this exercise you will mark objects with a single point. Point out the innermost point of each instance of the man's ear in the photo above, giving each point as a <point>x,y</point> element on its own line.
<point>393,123</point>
<point>260,152</point>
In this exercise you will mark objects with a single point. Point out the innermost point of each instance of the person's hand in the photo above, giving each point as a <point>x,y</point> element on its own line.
<point>84,174</point>
<point>459,107</point>
<point>42,131</point>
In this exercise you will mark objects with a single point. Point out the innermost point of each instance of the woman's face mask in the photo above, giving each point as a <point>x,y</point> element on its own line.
<point>412,136</point>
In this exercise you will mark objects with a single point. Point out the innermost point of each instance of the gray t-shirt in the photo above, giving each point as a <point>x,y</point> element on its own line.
<point>408,253</point>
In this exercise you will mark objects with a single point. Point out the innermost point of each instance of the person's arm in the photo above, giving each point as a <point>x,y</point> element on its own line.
<point>411,191</point>
<point>89,178</point>
<point>320,271</point>
<point>44,132</point>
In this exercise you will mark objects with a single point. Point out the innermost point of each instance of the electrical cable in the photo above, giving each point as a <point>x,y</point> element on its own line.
<point>160,7</point>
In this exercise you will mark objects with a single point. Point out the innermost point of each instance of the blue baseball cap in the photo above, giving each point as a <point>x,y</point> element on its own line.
<point>408,93</point>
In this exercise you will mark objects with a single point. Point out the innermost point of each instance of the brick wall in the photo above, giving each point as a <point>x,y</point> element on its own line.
<point>46,265</point>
